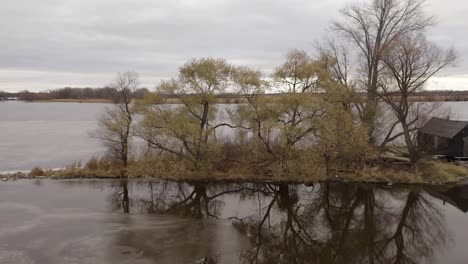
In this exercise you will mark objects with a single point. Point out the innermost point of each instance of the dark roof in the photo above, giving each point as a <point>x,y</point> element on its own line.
<point>443,127</point>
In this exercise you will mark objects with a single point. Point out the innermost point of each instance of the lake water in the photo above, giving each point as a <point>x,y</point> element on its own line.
<point>108,221</point>
<point>49,135</point>
<point>53,135</point>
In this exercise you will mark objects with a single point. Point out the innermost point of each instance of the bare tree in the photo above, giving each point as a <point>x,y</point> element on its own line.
<point>339,56</point>
<point>116,123</point>
<point>418,114</point>
<point>372,27</point>
<point>410,62</point>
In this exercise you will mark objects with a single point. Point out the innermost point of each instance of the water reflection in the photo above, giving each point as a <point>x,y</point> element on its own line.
<point>346,224</point>
<point>119,199</point>
<point>324,223</point>
<point>456,196</point>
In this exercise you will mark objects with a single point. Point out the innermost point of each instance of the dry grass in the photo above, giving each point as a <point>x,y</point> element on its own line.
<point>94,168</point>
<point>444,171</point>
<point>37,171</point>
<point>433,172</point>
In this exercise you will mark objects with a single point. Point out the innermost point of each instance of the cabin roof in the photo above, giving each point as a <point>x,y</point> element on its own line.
<point>443,127</point>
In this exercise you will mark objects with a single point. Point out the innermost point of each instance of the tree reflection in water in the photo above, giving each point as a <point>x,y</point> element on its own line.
<point>196,200</point>
<point>345,224</point>
<point>120,199</point>
<point>326,223</point>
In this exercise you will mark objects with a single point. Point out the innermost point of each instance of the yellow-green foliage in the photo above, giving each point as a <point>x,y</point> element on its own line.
<point>187,131</point>
<point>310,132</point>
<point>288,132</point>
<point>37,171</point>
<point>282,135</point>
<point>339,133</point>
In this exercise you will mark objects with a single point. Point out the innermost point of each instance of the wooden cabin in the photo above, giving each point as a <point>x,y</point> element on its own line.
<point>444,137</point>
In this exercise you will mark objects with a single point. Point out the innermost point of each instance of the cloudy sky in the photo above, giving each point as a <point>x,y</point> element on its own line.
<point>50,44</point>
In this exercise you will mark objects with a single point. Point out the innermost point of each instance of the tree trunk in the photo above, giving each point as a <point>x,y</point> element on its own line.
<point>412,152</point>
<point>370,110</point>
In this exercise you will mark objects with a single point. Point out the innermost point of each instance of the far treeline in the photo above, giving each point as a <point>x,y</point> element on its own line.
<point>109,94</point>
<point>340,108</point>
<point>69,93</point>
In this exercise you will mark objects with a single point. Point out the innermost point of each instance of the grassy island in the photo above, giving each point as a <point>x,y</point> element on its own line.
<point>336,114</point>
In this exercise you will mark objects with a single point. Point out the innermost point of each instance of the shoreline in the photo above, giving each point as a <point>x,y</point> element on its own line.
<point>91,101</point>
<point>380,170</point>
<point>238,99</point>
<point>14,176</point>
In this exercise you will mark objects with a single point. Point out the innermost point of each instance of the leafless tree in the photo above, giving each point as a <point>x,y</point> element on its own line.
<point>409,63</point>
<point>372,27</point>
<point>116,123</point>
<point>339,55</point>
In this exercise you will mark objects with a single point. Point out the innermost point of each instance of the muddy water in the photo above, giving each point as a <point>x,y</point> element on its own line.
<point>83,221</point>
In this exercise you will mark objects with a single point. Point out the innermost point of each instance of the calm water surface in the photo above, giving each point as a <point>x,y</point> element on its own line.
<point>53,135</point>
<point>49,135</point>
<point>59,222</point>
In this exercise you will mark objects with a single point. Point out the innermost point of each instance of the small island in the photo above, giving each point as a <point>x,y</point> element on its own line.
<point>319,128</point>
<point>354,109</point>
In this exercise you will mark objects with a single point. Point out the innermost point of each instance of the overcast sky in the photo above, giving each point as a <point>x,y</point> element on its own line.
<point>50,44</point>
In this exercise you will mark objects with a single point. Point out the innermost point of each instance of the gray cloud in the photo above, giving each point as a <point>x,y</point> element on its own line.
<point>53,43</point>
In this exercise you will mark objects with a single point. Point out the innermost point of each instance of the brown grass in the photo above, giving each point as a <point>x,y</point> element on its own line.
<point>37,171</point>
<point>433,172</point>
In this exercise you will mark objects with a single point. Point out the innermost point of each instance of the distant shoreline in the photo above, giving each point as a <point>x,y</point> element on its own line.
<point>238,99</point>
<point>100,101</point>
